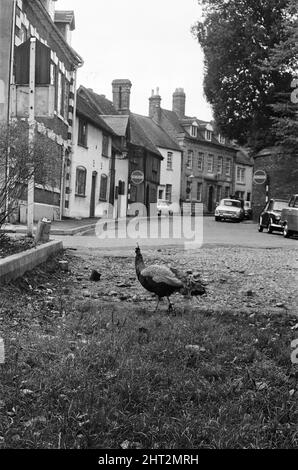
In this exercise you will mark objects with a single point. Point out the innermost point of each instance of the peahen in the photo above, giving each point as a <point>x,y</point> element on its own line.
<point>164,281</point>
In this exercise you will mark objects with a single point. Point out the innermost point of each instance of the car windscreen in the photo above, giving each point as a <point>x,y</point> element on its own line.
<point>279,205</point>
<point>231,203</point>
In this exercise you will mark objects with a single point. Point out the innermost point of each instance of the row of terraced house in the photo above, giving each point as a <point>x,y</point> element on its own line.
<point>101,141</point>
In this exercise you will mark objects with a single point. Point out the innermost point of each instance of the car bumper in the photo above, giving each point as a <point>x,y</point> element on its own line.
<point>229,216</point>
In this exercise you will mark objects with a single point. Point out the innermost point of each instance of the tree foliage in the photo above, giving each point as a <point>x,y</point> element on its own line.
<point>241,83</point>
<point>19,162</point>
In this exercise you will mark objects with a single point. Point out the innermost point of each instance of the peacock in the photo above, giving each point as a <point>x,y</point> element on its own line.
<point>164,281</point>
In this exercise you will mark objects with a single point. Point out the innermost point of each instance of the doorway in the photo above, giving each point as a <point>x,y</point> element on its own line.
<point>93,191</point>
<point>210,199</point>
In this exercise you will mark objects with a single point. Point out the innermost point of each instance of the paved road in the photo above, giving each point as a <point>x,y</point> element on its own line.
<point>208,233</point>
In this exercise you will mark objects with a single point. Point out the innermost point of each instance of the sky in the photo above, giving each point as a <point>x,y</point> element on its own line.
<point>146,41</point>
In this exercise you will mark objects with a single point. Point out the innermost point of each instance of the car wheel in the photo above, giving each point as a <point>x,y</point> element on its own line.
<point>217,219</point>
<point>286,231</point>
<point>269,227</point>
<point>260,227</point>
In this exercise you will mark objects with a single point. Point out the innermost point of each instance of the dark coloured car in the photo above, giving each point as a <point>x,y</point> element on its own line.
<point>289,217</point>
<point>270,218</point>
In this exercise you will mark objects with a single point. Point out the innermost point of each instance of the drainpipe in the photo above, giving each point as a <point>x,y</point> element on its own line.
<point>31,122</point>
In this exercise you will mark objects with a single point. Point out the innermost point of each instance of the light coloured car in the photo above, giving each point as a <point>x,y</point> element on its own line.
<point>164,207</point>
<point>229,209</point>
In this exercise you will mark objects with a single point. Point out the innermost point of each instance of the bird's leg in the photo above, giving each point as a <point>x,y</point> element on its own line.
<point>157,305</point>
<point>170,306</point>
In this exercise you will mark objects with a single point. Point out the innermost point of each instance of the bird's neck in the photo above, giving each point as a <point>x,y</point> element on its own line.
<point>139,263</point>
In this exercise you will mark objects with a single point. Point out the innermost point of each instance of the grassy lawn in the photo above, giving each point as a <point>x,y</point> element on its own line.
<point>86,373</point>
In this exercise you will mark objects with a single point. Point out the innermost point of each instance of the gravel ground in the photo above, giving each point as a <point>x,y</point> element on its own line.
<point>237,278</point>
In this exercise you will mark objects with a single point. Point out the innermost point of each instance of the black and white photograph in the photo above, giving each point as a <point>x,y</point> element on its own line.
<point>148,229</point>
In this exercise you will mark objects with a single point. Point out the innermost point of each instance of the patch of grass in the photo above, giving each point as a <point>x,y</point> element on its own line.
<point>10,246</point>
<point>93,374</point>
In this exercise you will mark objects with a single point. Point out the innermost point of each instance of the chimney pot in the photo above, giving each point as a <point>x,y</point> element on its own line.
<point>179,99</point>
<point>121,95</point>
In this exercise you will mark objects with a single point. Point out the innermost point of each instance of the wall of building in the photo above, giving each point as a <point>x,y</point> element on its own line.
<point>245,187</point>
<point>90,158</point>
<point>6,13</point>
<point>173,176</point>
<point>214,185</point>
<point>282,171</point>
<point>121,174</point>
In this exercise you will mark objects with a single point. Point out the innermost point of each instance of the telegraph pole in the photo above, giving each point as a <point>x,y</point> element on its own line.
<point>31,122</point>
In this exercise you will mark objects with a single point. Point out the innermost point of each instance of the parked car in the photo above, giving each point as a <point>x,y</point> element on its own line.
<point>289,217</point>
<point>229,209</point>
<point>270,217</point>
<point>247,210</point>
<point>164,207</point>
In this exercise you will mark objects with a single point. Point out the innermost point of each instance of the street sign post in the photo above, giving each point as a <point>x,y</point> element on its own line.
<point>260,177</point>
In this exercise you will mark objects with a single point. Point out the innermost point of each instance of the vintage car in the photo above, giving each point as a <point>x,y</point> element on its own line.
<point>229,209</point>
<point>247,210</point>
<point>289,217</point>
<point>164,207</point>
<point>270,216</point>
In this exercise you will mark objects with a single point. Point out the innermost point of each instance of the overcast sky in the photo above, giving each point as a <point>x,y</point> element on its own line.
<point>147,41</point>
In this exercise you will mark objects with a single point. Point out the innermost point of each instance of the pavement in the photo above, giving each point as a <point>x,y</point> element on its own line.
<point>65,227</point>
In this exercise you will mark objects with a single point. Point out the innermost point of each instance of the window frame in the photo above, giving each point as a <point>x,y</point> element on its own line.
<point>103,195</point>
<point>201,157</point>
<point>82,193</point>
<point>199,191</point>
<point>220,165</point>
<point>228,167</point>
<point>194,131</point>
<point>210,158</point>
<point>240,175</point>
<point>83,136</point>
<point>190,153</point>
<point>105,145</point>
<point>170,161</point>
<point>169,188</point>
<point>207,135</point>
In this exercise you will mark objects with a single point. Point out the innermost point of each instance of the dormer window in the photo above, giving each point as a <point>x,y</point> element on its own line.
<point>221,139</point>
<point>208,135</point>
<point>194,131</point>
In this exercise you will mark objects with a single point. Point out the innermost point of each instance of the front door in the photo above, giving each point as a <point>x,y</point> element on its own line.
<point>210,199</point>
<point>93,191</point>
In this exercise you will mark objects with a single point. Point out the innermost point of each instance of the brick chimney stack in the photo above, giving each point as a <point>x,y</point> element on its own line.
<point>154,106</point>
<point>179,99</point>
<point>121,95</point>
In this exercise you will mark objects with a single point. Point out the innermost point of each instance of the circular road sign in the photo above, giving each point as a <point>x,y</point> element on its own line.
<point>137,177</point>
<point>260,177</point>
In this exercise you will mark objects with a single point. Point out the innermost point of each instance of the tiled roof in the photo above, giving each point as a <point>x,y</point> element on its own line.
<point>175,126</point>
<point>117,123</point>
<point>156,134</point>
<point>65,16</point>
<point>243,157</point>
<point>139,137</point>
<point>85,110</point>
<point>100,102</point>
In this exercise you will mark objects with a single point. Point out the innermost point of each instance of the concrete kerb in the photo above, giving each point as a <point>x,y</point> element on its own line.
<point>58,231</point>
<point>17,265</point>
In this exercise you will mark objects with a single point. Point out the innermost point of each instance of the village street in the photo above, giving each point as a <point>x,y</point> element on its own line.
<point>208,232</point>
